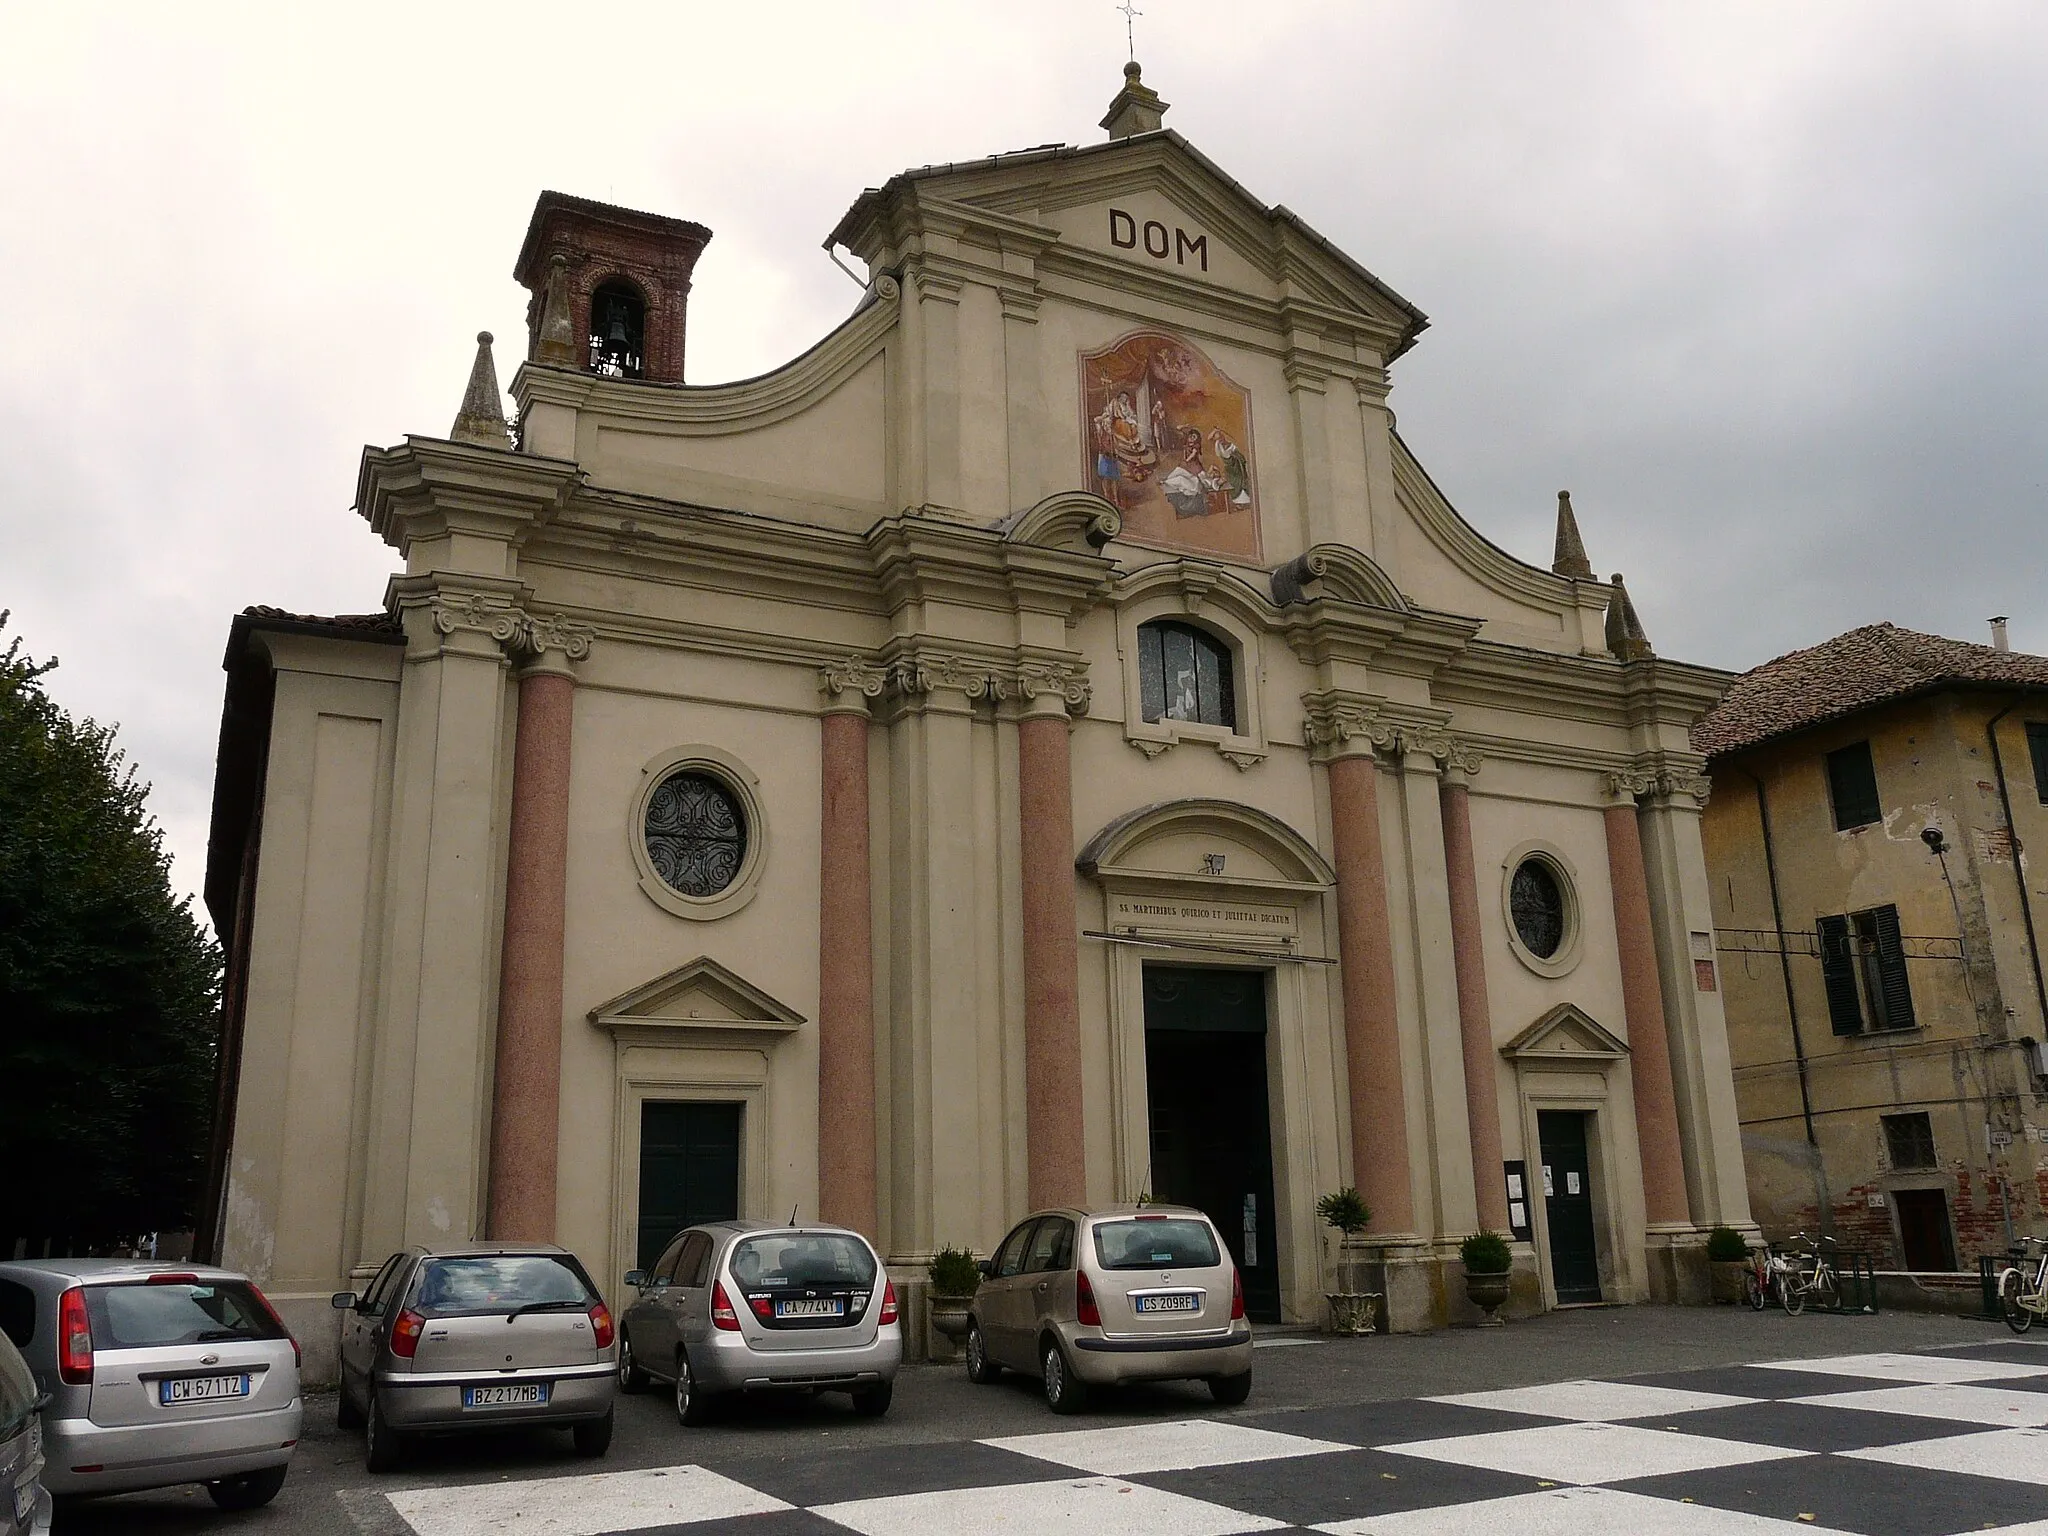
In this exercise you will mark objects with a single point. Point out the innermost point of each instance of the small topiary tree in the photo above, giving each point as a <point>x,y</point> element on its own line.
<point>1486,1253</point>
<point>953,1272</point>
<point>1725,1245</point>
<point>1345,1211</point>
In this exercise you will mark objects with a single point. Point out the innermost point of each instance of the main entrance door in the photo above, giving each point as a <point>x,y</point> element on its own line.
<point>1568,1205</point>
<point>689,1170</point>
<point>1212,1144</point>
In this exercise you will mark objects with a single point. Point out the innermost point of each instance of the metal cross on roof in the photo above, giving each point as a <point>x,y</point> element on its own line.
<point>1130,14</point>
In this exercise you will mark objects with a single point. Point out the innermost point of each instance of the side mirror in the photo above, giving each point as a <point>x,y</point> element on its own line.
<point>986,1266</point>
<point>342,1301</point>
<point>637,1278</point>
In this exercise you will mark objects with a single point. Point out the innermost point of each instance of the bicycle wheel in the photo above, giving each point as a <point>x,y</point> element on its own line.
<point>1753,1290</point>
<point>2019,1317</point>
<point>1792,1294</point>
<point>1825,1288</point>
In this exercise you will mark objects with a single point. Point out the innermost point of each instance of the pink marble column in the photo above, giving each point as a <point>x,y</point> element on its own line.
<point>1475,1014</point>
<point>1372,1040</point>
<point>526,1094</point>
<point>1056,1161</point>
<point>846,973</point>
<point>1642,1001</point>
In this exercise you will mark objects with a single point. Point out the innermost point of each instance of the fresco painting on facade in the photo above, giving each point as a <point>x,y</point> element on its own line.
<point>1169,441</point>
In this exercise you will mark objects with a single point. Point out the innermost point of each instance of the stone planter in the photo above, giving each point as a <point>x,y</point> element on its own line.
<point>1727,1280</point>
<point>1353,1313</point>
<point>1488,1293</point>
<point>949,1316</point>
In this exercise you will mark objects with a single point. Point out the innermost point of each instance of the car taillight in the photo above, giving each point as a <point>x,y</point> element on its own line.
<point>263,1301</point>
<point>405,1334</point>
<point>601,1323</point>
<point>722,1314</point>
<point>888,1303</point>
<point>1236,1294</point>
<point>74,1339</point>
<point>1085,1310</point>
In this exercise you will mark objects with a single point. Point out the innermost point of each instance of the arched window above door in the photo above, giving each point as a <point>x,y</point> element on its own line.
<point>1185,673</point>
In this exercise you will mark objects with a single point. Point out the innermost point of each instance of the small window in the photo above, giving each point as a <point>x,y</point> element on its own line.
<point>1537,902</point>
<point>1010,1257</point>
<point>378,1295</point>
<point>695,1260</point>
<point>1052,1247</point>
<point>2037,745</point>
<point>1184,674</point>
<point>1852,783</point>
<point>618,331</point>
<point>665,1266</point>
<point>1863,969</point>
<point>1909,1139</point>
<point>696,833</point>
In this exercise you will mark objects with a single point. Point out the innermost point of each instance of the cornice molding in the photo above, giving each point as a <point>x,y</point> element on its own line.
<point>1336,571</point>
<point>426,488</point>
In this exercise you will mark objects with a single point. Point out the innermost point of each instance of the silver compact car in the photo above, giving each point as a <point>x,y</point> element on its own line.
<point>1131,1293</point>
<point>492,1336</point>
<point>158,1374</point>
<point>744,1306</point>
<point>24,1501</point>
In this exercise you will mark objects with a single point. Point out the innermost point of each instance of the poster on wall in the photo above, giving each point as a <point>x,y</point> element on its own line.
<point>1168,438</point>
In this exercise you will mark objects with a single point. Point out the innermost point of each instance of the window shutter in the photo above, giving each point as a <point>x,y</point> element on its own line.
<point>1838,975</point>
<point>2037,745</point>
<point>1852,785</point>
<point>1891,969</point>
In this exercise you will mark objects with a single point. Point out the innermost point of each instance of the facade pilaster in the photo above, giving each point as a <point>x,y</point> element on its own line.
<point>846,965</point>
<point>1475,1012</point>
<point>527,1071</point>
<point>1056,1150</point>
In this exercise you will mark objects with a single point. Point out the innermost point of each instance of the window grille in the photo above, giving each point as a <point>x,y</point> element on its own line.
<point>1184,673</point>
<point>1909,1139</point>
<point>696,833</point>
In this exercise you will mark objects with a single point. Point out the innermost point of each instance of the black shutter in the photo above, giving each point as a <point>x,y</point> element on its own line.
<point>1891,969</point>
<point>1852,785</point>
<point>1838,975</point>
<point>2037,744</point>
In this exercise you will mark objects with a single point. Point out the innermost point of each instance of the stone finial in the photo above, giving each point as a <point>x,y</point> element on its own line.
<point>1625,636</point>
<point>556,342</point>
<point>1570,558</point>
<point>1136,109</point>
<point>481,421</point>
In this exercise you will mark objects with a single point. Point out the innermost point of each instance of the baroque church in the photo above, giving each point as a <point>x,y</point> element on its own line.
<point>1050,743</point>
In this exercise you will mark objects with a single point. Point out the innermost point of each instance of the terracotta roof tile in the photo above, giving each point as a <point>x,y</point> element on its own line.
<point>1852,672</point>
<point>382,622</point>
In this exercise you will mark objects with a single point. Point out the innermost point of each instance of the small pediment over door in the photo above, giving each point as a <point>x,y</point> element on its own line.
<point>1565,1034</point>
<point>701,999</point>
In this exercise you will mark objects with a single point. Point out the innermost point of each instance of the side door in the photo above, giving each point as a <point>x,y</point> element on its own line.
<point>686,1300</point>
<point>1002,1302</point>
<point>1046,1287</point>
<point>648,1323</point>
<point>359,1325</point>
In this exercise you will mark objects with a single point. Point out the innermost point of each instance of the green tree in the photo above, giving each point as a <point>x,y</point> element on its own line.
<point>109,987</point>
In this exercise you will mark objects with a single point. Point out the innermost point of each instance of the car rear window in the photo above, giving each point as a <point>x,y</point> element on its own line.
<point>809,1259</point>
<point>181,1312</point>
<point>499,1282</point>
<point>1148,1242</point>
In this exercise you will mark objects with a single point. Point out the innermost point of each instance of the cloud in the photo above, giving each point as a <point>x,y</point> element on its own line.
<point>1759,283</point>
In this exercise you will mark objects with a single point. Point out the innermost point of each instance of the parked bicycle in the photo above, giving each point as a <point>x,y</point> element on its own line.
<point>1811,1273</point>
<point>1760,1280</point>
<point>2023,1287</point>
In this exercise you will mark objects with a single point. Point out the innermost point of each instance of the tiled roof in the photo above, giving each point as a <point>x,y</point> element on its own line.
<point>380,622</point>
<point>1852,672</point>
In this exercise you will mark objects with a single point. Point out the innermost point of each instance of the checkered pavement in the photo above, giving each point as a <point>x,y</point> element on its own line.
<point>1902,1444</point>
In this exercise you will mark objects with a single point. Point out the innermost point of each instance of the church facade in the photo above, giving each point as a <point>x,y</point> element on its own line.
<point>1049,743</point>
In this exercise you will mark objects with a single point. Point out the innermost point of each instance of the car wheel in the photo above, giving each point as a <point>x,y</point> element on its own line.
<point>593,1436</point>
<point>693,1407</point>
<point>873,1402</point>
<point>383,1446</point>
<point>631,1377</point>
<point>1231,1390</point>
<point>251,1490</point>
<point>980,1369</point>
<point>346,1414</point>
<point>1064,1391</point>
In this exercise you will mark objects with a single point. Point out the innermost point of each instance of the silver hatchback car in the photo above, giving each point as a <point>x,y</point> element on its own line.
<point>24,1501</point>
<point>744,1306</point>
<point>490,1336</point>
<point>1100,1298</point>
<point>158,1374</point>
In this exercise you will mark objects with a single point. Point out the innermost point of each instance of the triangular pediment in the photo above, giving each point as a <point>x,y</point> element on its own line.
<point>1566,1033</point>
<point>701,995</point>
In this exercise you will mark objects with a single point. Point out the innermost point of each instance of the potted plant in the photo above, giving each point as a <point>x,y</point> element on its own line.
<point>1727,1257</point>
<point>1487,1260</point>
<point>955,1277</point>
<point>1352,1310</point>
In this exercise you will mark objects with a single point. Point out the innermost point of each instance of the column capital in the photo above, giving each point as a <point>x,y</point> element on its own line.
<point>547,643</point>
<point>849,684</point>
<point>1060,685</point>
<point>1432,749</point>
<point>1340,724</point>
<point>1625,784</point>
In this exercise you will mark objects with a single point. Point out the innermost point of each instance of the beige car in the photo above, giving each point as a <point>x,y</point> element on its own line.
<point>1082,1299</point>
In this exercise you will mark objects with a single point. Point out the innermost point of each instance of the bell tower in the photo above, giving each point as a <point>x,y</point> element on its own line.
<point>610,286</point>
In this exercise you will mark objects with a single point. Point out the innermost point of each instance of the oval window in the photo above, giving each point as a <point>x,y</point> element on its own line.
<point>1537,902</point>
<point>696,833</point>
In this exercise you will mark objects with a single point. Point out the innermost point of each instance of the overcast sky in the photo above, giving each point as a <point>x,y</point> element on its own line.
<point>1763,285</point>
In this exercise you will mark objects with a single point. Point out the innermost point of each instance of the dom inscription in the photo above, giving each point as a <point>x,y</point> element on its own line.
<point>1128,233</point>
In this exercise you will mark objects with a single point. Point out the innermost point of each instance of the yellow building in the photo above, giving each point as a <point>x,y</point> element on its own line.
<point>1881,934</point>
<point>1051,741</point>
